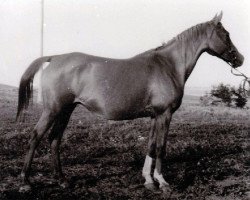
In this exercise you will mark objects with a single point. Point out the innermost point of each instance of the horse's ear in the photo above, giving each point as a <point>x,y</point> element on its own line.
<point>217,19</point>
<point>214,17</point>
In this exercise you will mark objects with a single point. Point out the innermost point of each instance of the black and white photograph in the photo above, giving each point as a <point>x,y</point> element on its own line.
<point>132,99</point>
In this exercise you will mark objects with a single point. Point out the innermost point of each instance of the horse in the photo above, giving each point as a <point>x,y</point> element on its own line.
<point>150,84</point>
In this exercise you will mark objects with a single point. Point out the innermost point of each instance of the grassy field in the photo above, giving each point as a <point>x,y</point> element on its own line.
<point>207,154</point>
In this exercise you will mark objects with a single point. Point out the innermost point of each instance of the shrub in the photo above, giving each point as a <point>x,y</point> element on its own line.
<point>223,92</point>
<point>240,97</point>
<point>225,95</point>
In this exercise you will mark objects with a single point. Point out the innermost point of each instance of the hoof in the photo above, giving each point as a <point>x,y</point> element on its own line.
<point>150,186</point>
<point>25,188</point>
<point>166,189</point>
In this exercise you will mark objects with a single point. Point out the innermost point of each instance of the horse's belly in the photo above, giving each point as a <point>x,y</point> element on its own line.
<point>128,109</point>
<point>129,115</point>
<point>115,110</point>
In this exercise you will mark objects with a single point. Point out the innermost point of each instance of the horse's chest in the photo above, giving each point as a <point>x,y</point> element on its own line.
<point>164,95</point>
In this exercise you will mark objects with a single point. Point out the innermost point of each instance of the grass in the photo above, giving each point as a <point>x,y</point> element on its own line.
<point>207,154</point>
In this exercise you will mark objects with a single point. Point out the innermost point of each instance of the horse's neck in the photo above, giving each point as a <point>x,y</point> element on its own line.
<point>193,51</point>
<point>185,54</point>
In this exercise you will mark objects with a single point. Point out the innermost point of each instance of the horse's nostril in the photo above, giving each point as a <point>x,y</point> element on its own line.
<point>242,59</point>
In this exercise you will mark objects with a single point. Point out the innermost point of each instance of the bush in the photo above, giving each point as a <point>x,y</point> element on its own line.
<point>226,95</point>
<point>240,97</point>
<point>223,92</point>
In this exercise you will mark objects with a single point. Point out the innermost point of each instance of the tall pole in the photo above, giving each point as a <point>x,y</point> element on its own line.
<point>39,95</point>
<point>42,26</point>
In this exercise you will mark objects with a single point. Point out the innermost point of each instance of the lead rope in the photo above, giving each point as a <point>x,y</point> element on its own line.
<point>244,82</point>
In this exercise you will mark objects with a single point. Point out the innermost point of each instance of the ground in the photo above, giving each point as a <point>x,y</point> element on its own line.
<point>207,154</point>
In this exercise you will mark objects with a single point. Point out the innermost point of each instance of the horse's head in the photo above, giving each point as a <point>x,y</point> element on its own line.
<point>220,44</point>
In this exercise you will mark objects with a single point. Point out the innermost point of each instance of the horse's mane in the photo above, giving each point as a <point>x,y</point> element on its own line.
<point>194,31</point>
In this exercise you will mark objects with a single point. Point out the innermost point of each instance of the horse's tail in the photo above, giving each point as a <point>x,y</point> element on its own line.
<point>26,84</point>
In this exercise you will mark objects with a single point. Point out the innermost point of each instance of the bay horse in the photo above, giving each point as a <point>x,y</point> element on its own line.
<point>150,84</point>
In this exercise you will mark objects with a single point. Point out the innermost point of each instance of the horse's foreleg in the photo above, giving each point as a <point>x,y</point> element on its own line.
<point>162,127</point>
<point>55,141</point>
<point>40,129</point>
<point>146,172</point>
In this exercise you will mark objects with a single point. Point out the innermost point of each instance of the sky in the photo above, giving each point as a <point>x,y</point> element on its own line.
<point>116,29</point>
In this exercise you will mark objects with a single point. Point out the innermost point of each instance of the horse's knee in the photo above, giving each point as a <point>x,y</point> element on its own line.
<point>152,150</point>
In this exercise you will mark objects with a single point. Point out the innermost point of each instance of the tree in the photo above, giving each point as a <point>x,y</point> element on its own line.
<point>240,97</point>
<point>223,92</point>
<point>229,94</point>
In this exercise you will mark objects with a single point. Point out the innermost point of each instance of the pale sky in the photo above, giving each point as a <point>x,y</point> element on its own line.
<point>116,29</point>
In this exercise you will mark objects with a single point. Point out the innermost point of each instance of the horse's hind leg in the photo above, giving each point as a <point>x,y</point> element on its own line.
<point>55,140</point>
<point>40,129</point>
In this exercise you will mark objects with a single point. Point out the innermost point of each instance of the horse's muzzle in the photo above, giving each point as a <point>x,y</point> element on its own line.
<point>237,61</point>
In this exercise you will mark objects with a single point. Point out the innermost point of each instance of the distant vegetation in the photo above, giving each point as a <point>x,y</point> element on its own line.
<point>225,95</point>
